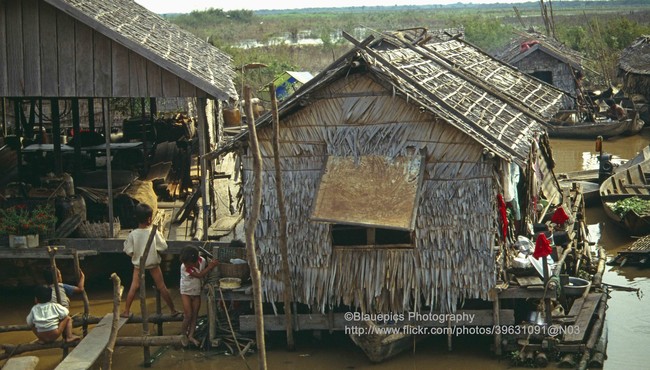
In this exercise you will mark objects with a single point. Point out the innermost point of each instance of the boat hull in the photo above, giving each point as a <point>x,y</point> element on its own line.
<point>591,130</point>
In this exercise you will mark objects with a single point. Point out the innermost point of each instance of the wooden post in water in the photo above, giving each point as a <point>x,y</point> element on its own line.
<point>547,301</point>
<point>158,309</point>
<point>117,297</point>
<point>251,223</point>
<point>78,273</point>
<point>282,240</point>
<point>143,295</point>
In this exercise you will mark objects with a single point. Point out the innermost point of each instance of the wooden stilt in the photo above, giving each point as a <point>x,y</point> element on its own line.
<point>282,240</point>
<point>143,295</point>
<point>251,226</point>
<point>78,272</point>
<point>497,336</point>
<point>117,297</point>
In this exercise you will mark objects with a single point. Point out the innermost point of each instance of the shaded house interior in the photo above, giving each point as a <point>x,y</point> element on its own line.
<point>392,161</point>
<point>84,85</point>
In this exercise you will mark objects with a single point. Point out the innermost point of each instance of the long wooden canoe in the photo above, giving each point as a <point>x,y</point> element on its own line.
<point>591,130</point>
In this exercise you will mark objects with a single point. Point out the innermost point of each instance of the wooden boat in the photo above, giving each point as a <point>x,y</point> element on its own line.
<point>379,345</point>
<point>560,128</point>
<point>637,254</point>
<point>628,183</point>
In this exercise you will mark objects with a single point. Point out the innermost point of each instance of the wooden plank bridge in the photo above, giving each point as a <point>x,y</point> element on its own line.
<point>86,353</point>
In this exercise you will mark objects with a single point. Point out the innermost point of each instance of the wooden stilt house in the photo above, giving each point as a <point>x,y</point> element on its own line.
<point>634,70</point>
<point>59,55</point>
<point>546,59</point>
<point>393,161</point>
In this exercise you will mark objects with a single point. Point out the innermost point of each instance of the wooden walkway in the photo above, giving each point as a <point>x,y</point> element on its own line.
<point>86,353</point>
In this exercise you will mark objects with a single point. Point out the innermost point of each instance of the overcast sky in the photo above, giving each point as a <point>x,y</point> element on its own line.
<point>186,6</point>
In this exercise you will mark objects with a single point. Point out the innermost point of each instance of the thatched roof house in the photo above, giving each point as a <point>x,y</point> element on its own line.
<point>634,67</point>
<point>75,53</point>
<point>392,161</point>
<point>546,59</point>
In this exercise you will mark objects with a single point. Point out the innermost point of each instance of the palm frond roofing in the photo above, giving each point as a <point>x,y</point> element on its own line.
<point>513,53</point>
<point>158,40</point>
<point>495,104</point>
<point>636,57</point>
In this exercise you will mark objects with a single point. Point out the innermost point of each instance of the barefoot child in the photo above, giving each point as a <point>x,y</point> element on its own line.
<point>49,319</point>
<point>134,246</point>
<point>193,269</point>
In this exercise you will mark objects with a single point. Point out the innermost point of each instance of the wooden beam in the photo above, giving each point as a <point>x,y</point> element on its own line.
<point>91,347</point>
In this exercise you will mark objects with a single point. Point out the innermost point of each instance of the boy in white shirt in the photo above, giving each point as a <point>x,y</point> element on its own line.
<point>134,246</point>
<point>49,319</point>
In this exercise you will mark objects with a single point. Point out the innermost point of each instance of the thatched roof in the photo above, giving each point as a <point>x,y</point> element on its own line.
<point>514,52</point>
<point>634,67</point>
<point>489,100</point>
<point>162,42</point>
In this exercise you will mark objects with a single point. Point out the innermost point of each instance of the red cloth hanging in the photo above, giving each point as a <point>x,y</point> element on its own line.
<point>504,216</point>
<point>559,216</point>
<point>542,247</point>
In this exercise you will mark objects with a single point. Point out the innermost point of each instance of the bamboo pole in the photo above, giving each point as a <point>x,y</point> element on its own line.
<point>78,272</point>
<point>143,295</point>
<point>146,341</point>
<point>117,295</point>
<point>16,349</point>
<point>251,223</point>
<point>232,331</point>
<point>282,239</point>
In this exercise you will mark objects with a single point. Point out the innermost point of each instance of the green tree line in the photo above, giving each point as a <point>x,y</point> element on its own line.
<point>599,29</point>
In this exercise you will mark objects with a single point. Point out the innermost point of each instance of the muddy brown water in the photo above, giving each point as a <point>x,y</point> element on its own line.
<point>628,316</point>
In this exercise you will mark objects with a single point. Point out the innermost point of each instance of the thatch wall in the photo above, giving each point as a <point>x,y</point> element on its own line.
<point>456,216</point>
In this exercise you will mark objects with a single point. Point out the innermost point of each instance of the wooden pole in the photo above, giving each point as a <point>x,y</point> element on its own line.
<point>77,271</point>
<point>143,295</point>
<point>56,139</point>
<point>51,251</point>
<point>547,301</point>
<point>203,165</point>
<point>76,128</point>
<point>117,297</point>
<point>109,170</point>
<point>251,223</point>
<point>158,310</point>
<point>166,340</point>
<point>282,226</point>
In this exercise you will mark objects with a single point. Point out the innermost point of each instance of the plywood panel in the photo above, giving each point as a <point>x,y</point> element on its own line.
<point>102,56</point>
<point>15,70</point>
<point>170,84</point>
<point>31,48</point>
<point>120,67</point>
<point>3,50</point>
<point>66,57</point>
<point>370,191</point>
<point>154,80</point>
<point>83,60</point>
<point>49,55</point>
<point>137,75</point>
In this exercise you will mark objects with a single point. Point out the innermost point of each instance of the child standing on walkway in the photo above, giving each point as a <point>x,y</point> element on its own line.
<point>48,319</point>
<point>134,246</point>
<point>193,269</point>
